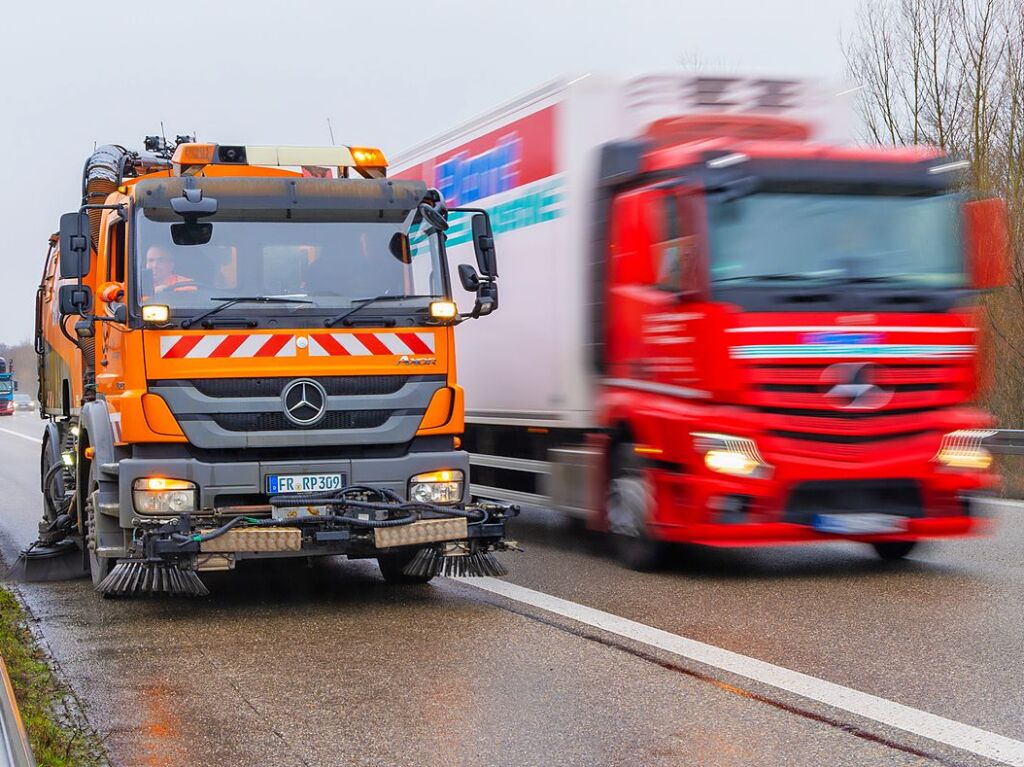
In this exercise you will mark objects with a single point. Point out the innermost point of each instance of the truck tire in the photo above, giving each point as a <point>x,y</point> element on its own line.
<point>891,551</point>
<point>99,567</point>
<point>391,567</point>
<point>630,501</point>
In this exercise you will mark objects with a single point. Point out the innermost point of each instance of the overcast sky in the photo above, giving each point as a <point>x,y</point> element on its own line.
<point>387,74</point>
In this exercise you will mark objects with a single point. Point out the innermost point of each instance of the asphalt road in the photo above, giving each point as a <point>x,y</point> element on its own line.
<point>289,665</point>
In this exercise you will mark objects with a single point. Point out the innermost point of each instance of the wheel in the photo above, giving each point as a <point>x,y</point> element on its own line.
<point>392,565</point>
<point>890,551</point>
<point>630,501</point>
<point>99,567</point>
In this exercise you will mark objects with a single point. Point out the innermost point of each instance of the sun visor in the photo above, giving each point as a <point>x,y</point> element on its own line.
<point>286,194</point>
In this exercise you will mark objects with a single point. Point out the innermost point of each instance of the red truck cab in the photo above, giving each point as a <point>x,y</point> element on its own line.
<point>789,339</point>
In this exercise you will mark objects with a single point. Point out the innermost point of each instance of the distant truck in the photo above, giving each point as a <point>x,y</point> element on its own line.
<point>7,387</point>
<point>727,329</point>
<point>247,352</point>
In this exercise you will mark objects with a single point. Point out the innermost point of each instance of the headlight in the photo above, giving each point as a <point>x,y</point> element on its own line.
<point>962,449</point>
<point>437,487</point>
<point>727,454</point>
<point>156,495</point>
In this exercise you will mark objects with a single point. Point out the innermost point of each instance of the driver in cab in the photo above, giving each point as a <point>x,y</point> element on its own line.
<point>160,262</point>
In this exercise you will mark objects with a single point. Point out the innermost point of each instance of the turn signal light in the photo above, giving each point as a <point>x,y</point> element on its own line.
<point>160,483</point>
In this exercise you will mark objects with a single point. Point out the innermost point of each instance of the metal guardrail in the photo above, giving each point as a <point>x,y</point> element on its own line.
<point>1006,442</point>
<point>14,748</point>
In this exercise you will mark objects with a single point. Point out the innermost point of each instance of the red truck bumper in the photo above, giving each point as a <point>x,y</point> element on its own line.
<point>785,533</point>
<point>7,408</point>
<point>723,511</point>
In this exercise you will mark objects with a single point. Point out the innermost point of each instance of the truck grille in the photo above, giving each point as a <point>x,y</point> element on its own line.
<point>792,396</point>
<point>270,421</point>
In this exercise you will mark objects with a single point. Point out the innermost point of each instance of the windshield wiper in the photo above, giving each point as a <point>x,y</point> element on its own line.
<point>877,278</point>
<point>781,277</point>
<point>230,301</point>
<point>361,303</point>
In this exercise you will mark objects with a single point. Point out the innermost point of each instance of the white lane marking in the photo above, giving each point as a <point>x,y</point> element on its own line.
<point>912,720</point>
<point>23,436</point>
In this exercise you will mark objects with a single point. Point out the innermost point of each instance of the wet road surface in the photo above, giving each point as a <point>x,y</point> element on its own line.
<point>289,665</point>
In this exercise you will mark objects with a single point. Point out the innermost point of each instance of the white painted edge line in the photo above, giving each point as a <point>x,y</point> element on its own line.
<point>23,436</point>
<point>911,720</point>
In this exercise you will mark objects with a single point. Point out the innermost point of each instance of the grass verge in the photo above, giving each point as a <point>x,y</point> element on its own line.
<point>58,736</point>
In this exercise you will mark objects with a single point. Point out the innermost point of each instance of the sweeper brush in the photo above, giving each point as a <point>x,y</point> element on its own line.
<point>432,562</point>
<point>139,577</point>
<point>59,561</point>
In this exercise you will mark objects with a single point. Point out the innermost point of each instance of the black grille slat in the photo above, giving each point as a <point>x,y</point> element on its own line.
<point>336,386</point>
<point>844,439</point>
<point>823,388</point>
<point>271,421</point>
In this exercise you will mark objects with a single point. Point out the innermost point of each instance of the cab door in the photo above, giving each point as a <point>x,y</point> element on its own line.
<point>112,265</point>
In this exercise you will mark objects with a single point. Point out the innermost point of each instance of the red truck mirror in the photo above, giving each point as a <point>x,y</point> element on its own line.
<point>988,243</point>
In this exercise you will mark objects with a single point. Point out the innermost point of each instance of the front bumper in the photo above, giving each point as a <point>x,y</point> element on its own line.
<point>231,487</point>
<point>237,490</point>
<point>717,510</point>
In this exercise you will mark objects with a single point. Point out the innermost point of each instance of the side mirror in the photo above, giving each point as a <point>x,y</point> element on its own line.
<point>469,278</point>
<point>75,299</point>
<point>987,240</point>
<point>483,244</point>
<point>75,245</point>
<point>436,215</point>
<point>400,248</point>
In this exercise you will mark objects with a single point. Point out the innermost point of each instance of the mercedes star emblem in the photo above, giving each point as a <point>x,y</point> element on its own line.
<point>305,401</point>
<point>852,386</point>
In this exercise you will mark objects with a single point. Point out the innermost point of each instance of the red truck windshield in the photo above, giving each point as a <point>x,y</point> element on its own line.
<point>913,240</point>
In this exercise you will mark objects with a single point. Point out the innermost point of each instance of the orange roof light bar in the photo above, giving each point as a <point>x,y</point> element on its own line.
<point>194,154</point>
<point>364,157</point>
<point>368,157</point>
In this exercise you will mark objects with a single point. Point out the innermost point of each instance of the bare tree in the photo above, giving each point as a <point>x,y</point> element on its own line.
<point>951,73</point>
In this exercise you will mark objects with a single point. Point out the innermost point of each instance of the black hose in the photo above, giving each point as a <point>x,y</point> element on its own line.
<point>48,485</point>
<point>395,503</point>
<point>410,512</point>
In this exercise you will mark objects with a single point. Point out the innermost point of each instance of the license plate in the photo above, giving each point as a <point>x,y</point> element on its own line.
<point>859,524</point>
<point>278,484</point>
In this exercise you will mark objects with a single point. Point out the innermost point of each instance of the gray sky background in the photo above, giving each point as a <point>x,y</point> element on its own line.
<point>387,74</point>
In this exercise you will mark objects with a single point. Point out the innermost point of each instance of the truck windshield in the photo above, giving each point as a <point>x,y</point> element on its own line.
<point>912,240</point>
<point>327,263</point>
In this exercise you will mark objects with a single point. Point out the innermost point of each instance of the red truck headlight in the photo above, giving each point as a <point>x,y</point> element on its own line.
<point>729,454</point>
<point>963,449</point>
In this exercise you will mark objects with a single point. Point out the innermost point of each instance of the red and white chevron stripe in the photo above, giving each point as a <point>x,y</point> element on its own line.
<point>242,345</point>
<point>223,345</point>
<point>369,344</point>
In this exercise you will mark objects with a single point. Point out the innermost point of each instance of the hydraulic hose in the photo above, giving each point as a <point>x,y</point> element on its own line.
<point>409,512</point>
<point>395,503</point>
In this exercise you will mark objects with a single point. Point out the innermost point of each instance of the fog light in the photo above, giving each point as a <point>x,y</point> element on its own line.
<point>155,313</point>
<point>728,454</point>
<point>158,495</point>
<point>439,487</point>
<point>963,449</point>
